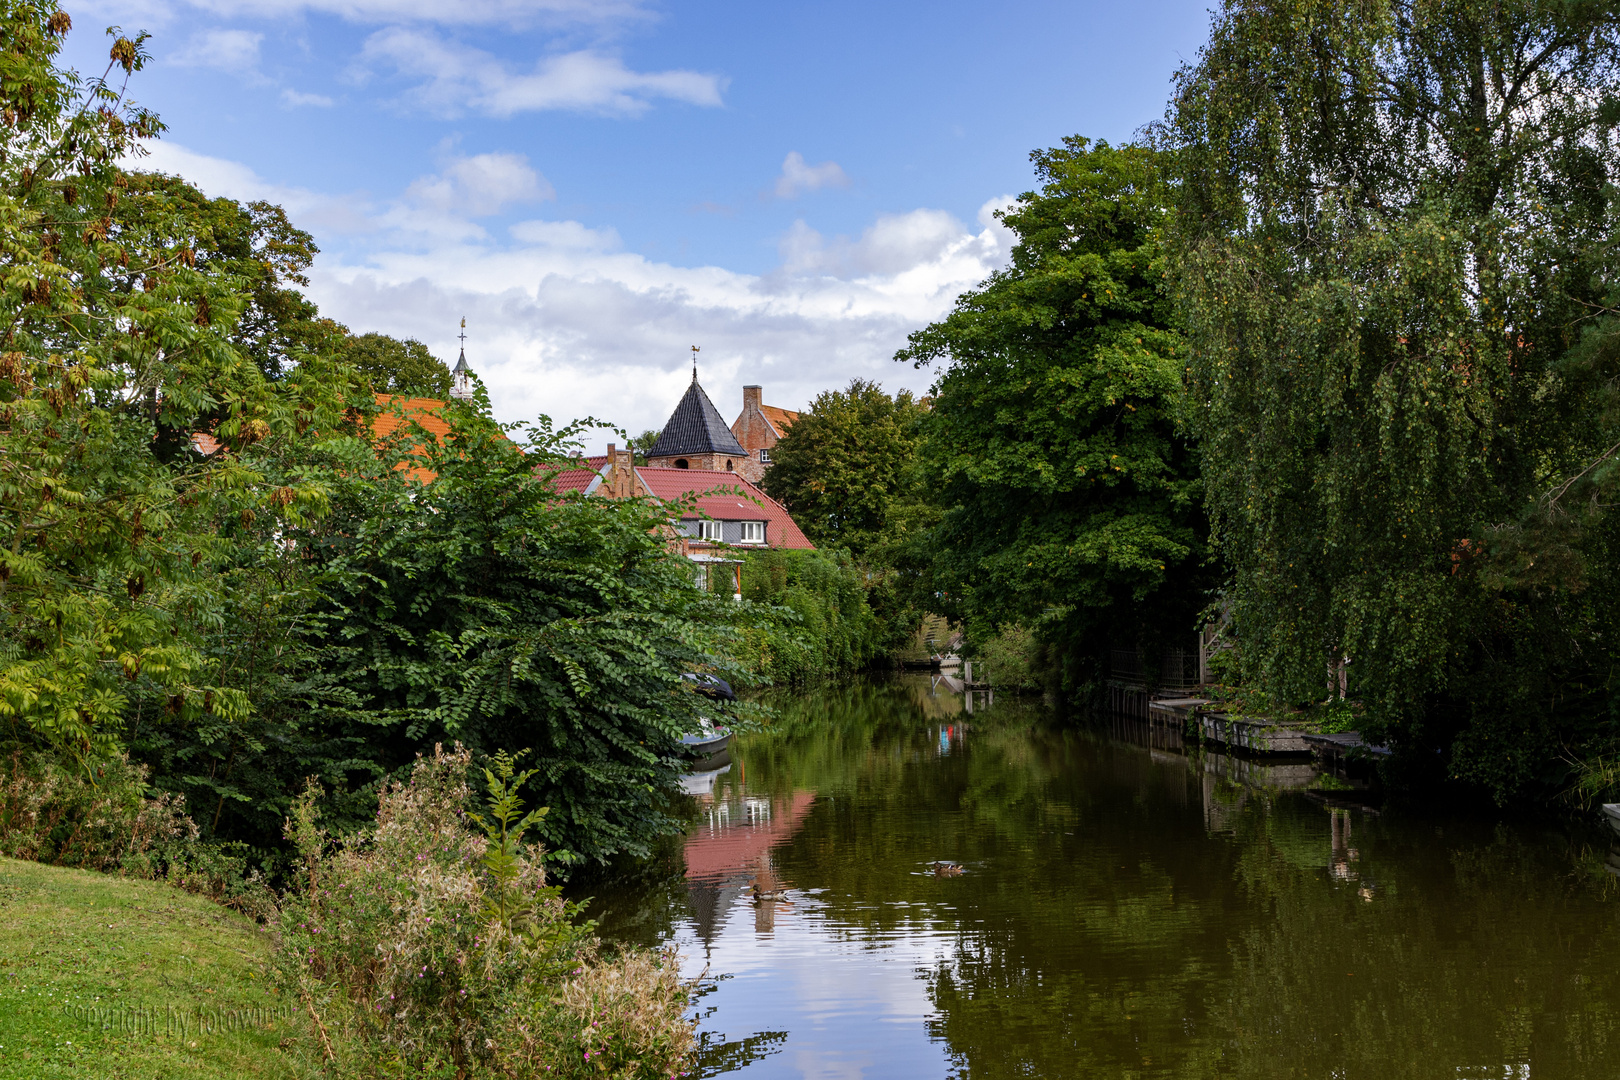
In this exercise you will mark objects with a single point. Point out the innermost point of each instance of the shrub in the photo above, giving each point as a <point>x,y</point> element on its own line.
<point>825,625</point>
<point>444,952</point>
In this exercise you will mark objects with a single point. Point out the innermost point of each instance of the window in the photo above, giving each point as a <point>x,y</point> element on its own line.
<point>753,532</point>
<point>765,457</point>
<point>708,530</point>
<point>728,465</point>
<point>680,463</point>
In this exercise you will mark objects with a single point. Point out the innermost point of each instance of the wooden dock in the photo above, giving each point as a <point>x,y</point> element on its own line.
<point>1255,736</point>
<point>1344,744</point>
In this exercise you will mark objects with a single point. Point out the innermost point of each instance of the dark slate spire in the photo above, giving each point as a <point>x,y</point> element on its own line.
<point>695,427</point>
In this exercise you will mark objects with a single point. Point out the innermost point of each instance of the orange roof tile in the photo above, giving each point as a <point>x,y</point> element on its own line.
<point>781,419</point>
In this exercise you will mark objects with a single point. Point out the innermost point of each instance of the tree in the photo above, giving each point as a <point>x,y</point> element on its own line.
<point>838,468</point>
<point>112,334</point>
<point>1392,226</point>
<point>642,445</point>
<point>1067,491</point>
<point>258,249</point>
<point>398,367</point>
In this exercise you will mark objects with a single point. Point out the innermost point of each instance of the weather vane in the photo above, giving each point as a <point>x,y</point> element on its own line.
<point>463,331</point>
<point>695,350</point>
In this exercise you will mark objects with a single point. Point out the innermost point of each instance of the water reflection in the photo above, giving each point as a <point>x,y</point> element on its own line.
<point>1124,910</point>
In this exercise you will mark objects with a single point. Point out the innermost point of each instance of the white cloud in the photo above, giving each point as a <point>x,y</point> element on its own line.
<point>342,214</point>
<point>458,77</point>
<point>798,177</point>
<point>296,98</point>
<point>479,186</point>
<point>562,321</point>
<point>228,50</point>
<point>893,244</point>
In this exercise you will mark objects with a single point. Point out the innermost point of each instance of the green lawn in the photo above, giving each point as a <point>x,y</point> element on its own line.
<point>73,940</point>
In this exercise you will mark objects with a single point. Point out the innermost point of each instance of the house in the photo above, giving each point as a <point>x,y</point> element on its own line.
<point>726,509</point>
<point>759,426</point>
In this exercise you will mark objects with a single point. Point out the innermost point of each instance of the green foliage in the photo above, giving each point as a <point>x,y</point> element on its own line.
<point>814,620</point>
<point>1391,237</point>
<point>255,248</point>
<point>1012,659</point>
<point>407,941</point>
<point>484,606</point>
<point>838,469</point>
<point>1053,454</point>
<point>642,445</point>
<point>116,334</point>
<point>398,367</point>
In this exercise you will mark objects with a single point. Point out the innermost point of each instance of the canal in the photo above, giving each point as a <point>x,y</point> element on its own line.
<point>1123,909</point>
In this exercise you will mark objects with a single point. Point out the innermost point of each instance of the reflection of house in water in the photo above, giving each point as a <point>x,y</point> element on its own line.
<point>728,853</point>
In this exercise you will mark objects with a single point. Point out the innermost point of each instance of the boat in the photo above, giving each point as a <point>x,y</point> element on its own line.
<point>710,738</point>
<point>1612,812</point>
<point>707,741</point>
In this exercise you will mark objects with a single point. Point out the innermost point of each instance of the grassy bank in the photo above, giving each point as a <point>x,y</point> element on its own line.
<point>74,940</point>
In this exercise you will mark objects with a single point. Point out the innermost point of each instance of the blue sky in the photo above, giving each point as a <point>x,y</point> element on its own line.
<point>598,186</point>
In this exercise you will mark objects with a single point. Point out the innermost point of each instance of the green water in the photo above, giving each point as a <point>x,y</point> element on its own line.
<point>1124,910</point>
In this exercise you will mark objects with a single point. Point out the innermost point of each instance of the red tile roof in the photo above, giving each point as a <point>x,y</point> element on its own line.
<point>725,496</point>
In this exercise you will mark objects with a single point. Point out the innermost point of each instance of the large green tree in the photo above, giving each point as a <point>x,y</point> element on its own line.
<point>115,330</point>
<point>1392,231</point>
<point>838,468</point>
<point>1053,452</point>
<point>398,367</point>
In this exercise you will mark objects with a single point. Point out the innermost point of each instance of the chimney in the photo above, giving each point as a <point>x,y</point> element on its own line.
<point>752,397</point>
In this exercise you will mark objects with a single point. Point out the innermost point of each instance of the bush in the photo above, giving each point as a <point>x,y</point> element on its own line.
<point>1013,659</point>
<point>443,952</point>
<point>824,626</point>
<point>103,815</point>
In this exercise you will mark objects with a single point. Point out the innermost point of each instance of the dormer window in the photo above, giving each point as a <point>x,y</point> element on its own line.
<point>753,532</point>
<point>708,530</point>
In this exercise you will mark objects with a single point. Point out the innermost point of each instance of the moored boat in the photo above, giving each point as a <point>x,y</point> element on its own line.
<point>706,741</point>
<point>1612,812</point>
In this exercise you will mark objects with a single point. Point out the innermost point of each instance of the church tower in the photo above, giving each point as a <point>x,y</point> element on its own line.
<point>695,437</point>
<point>461,387</point>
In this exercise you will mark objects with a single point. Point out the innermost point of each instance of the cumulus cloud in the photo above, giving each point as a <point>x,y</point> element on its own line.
<point>297,98</point>
<point>480,185</point>
<point>228,50</point>
<point>798,177</point>
<point>456,77</point>
<point>563,321</point>
<point>340,214</point>
<point>893,244</point>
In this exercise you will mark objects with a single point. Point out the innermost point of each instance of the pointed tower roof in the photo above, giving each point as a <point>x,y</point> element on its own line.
<point>461,364</point>
<point>695,427</point>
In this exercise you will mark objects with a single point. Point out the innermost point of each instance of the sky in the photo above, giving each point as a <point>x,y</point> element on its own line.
<point>599,185</point>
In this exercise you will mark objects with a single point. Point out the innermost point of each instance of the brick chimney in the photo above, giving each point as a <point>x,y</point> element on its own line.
<point>620,481</point>
<point>753,397</point>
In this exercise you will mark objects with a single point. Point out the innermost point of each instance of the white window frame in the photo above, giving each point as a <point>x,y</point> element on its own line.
<point>764,456</point>
<point>753,532</point>
<point>708,529</point>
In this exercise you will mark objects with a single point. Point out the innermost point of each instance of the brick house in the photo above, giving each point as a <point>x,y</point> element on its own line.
<point>759,426</point>
<point>727,508</point>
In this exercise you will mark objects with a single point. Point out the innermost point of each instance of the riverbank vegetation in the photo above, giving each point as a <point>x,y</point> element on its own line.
<point>1326,360</point>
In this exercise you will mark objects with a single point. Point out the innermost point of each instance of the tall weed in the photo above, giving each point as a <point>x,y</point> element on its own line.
<point>439,949</point>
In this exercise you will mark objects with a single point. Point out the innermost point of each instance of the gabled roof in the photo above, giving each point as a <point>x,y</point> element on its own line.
<point>725,496</point>
<point>780,419</point>
<point>695,427</point>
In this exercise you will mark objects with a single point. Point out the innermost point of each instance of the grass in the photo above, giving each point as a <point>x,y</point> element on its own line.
<point>73,940</point>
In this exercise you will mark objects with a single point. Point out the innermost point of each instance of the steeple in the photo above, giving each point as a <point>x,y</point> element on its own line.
<point>461,387</point>
<point>695,429</point>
